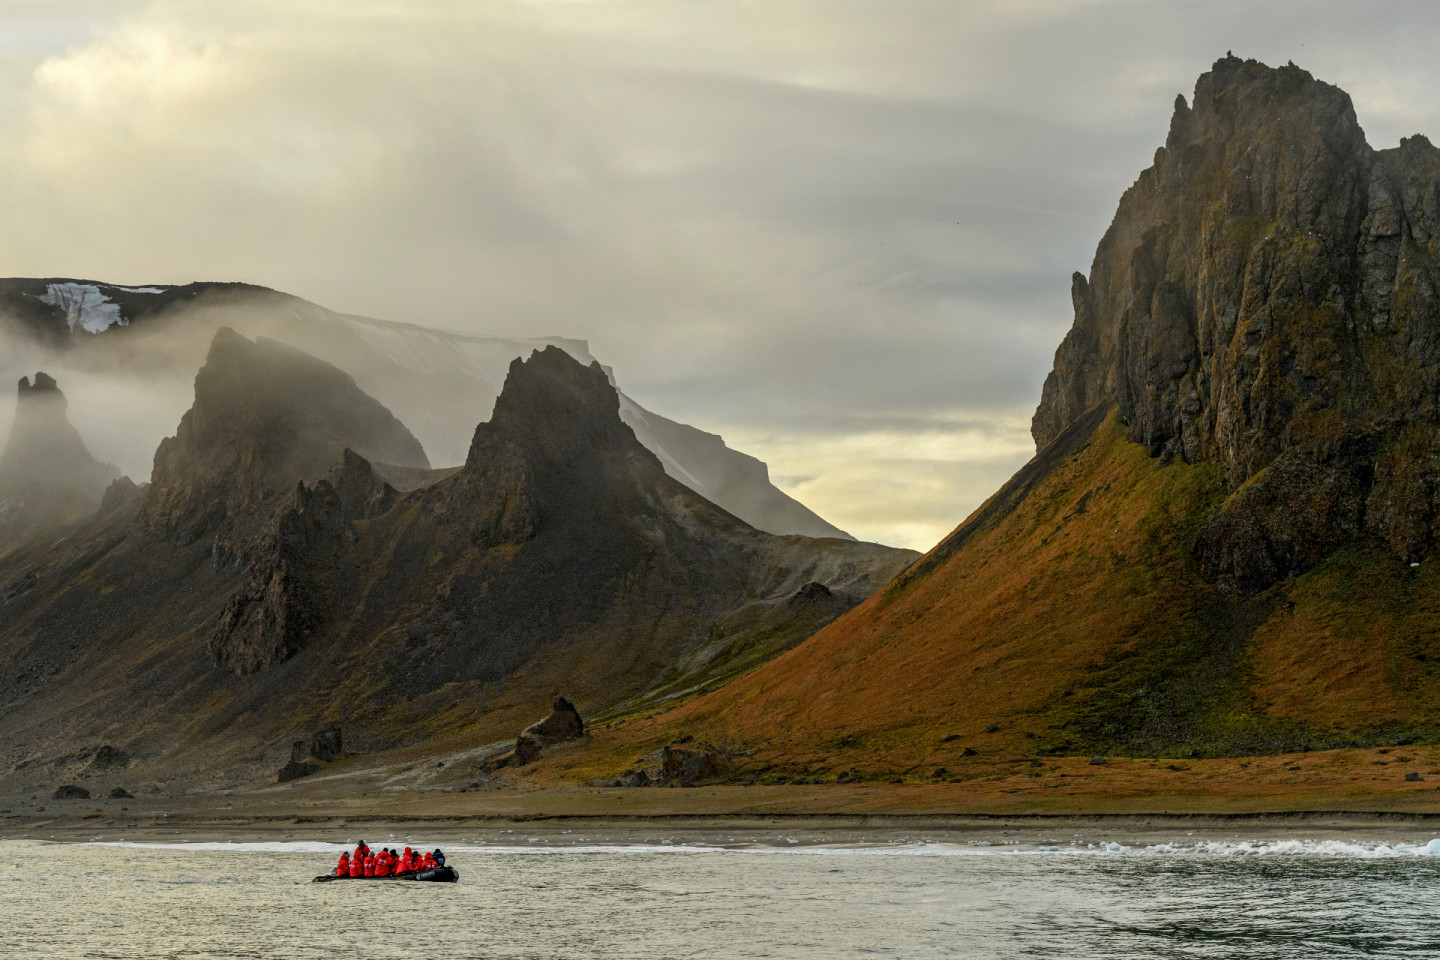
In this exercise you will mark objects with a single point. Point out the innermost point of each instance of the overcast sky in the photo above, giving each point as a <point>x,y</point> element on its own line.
<point>839,233</point>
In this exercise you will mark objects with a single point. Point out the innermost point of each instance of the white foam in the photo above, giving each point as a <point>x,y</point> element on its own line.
<point>1204,848</point>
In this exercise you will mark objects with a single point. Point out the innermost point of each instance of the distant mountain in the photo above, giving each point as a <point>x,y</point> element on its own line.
<point>1226,542</point>
<point>271,578</point>
<point>48,479</point>
<point>438,383</point>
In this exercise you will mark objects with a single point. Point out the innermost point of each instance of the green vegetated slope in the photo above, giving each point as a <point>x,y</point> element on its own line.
<point>1078,622</point>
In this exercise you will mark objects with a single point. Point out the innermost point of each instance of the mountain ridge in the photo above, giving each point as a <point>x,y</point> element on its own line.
<point>1224,545</point>
<point>440,383</point>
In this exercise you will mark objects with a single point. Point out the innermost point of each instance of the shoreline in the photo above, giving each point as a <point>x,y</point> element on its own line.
<point>771,830</point>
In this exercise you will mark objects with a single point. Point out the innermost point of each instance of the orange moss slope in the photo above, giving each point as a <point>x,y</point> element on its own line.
<point>1068,616</point>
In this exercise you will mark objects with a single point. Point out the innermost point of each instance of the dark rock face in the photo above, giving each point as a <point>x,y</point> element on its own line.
<point>119,494</point>
<point>1265,300</point>
<point>562,726</point>
<point>120,793</point>
<point>266,417</point>
<point>325,744</point>
<point>296,769</point>
<point>281,602</point>
<point>71,792</point>
<point>685,765</point>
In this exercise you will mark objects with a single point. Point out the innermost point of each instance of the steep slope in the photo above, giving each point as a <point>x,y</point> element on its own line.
<point>439,383</point>
<point>48,479</point>
<point>1224,545</point>
<point>253,592</point>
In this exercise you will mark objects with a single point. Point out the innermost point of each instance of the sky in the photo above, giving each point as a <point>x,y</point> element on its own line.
<point>840,233</point>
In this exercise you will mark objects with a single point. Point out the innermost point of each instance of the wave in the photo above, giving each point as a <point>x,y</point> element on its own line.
<point>793,847</point>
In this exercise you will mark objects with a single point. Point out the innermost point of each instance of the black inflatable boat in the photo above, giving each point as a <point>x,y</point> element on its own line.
<point>433,875</point>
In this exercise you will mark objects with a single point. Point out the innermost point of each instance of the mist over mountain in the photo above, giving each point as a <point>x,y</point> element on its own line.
<point>270,577</point>
<point>133,349</point>
<point>48,479</point>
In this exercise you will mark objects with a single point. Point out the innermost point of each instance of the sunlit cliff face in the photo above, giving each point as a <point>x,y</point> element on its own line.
<point>841,237</point>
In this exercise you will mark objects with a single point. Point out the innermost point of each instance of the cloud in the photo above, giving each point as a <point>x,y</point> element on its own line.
<point>807,225</point>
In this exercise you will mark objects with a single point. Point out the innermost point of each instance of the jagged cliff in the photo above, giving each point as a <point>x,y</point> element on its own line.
<point>272,579</point>
<point>265,418</point>
<point>1224,544</point>
<point>561,538</point>
<point>1265,300</point>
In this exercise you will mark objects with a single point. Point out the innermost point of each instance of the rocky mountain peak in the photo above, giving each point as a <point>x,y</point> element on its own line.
<point>44,385</point>
<point>1265,299</point>
<point>556,409</point>
<point>266,417</point>
<point>48,479</point>
<point>44,448</point>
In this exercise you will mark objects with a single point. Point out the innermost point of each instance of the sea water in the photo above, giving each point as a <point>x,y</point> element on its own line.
<point>667,899</point>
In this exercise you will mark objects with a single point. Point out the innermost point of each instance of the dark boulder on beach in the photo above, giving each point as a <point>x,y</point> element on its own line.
<point>296,769</point>
<point>563,725</point>
<point>71,792</point>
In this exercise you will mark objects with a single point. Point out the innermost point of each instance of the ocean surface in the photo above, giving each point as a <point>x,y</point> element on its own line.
<point>517,899</point>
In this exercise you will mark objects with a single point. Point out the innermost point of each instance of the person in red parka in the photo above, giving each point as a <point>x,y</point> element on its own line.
<point>427,862</point>
<point>407,862</point>
<point>342,869</point>
<point>369,867</point>
<point>383,863</point>
<point>357,866</point>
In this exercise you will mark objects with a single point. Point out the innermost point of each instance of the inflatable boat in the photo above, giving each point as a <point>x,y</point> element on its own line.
<point>433,875</point>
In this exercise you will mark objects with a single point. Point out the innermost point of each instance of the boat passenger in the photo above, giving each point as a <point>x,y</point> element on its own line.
<point>407,862</point>
<point>342,869</point>
<point>427,862</point>
<point>369,868</point>
<point>382,863</point>
<point>357,866</point>
<point>439,857</point>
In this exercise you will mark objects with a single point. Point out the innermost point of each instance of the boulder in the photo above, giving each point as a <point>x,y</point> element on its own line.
<point>562,726</point>
<point>685,765</point>
<point>325,744</point>
<point>296,769</point>
<point>71,792</point>
<point>120,793</point>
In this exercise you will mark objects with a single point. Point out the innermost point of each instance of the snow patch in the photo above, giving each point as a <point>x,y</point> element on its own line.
<point>84,305</point>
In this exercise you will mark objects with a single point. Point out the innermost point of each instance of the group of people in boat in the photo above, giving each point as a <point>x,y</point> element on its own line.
<point>386,863</point>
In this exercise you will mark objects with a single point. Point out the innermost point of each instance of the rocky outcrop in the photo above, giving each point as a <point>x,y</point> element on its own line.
<point>282,601</point>
<point>325,745</point>
<point>687,764</point>
<point>48,479</point>
<point>295,770</point>
<point>266,417</point>
<point>1265,300</point>
<point>562,726</point>
<point>71,791</point>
